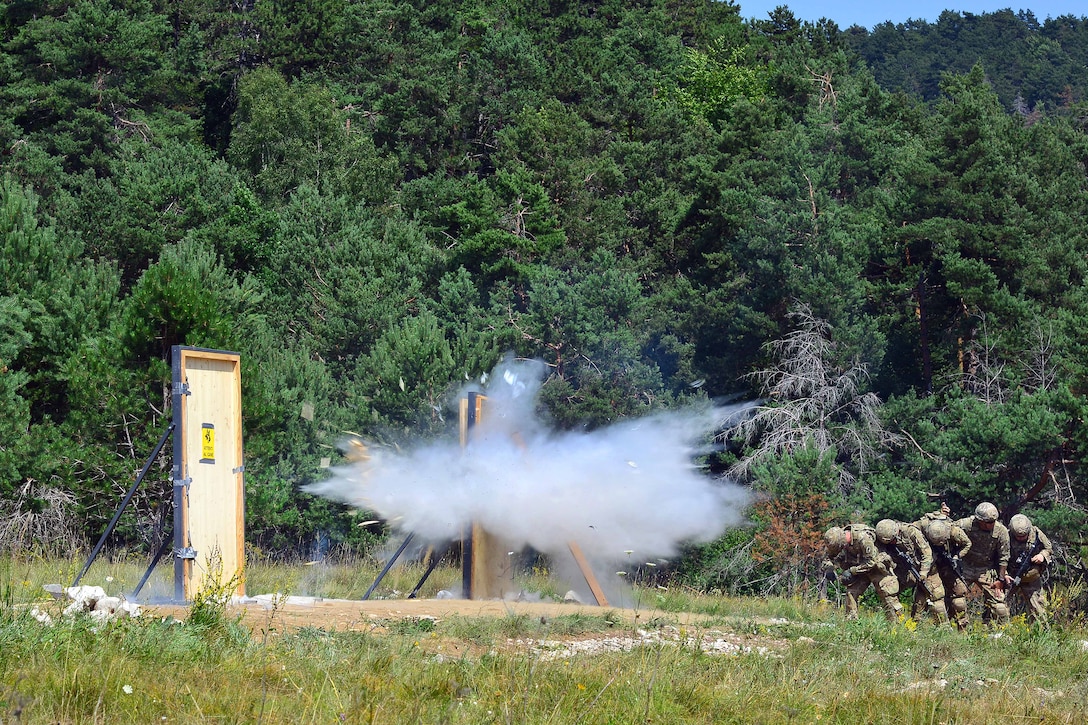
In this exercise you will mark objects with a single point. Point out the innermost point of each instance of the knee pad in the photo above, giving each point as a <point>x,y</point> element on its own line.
<point>959,604</point>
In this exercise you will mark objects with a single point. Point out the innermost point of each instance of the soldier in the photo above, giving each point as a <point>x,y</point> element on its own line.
<point>854,551</point>
<point>913,560</point>
<point>986,564</point>
<point>942,514</point>
<point>1030,552</point>
<point>949,544</point>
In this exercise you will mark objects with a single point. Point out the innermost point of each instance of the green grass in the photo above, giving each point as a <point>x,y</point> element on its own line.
<point>820,669</point>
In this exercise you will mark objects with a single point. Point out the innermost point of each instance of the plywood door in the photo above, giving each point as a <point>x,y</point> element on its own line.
<point>212,516</point>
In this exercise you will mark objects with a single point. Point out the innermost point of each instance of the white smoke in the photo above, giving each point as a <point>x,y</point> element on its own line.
<point>630,492</point>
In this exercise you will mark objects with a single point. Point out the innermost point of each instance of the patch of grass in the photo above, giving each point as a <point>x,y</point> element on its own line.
<point>412,626</point>
<point>803,663</point>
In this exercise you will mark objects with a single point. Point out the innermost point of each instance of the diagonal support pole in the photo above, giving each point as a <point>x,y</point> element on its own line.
<point>388,566</point>
<point>436,556</point>
<point>154,562</point>
<point>124,503</point>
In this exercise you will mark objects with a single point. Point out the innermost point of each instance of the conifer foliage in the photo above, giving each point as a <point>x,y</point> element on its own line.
<point>374,202</point>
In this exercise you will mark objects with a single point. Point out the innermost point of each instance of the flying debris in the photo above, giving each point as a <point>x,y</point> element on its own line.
<point>546,490</point>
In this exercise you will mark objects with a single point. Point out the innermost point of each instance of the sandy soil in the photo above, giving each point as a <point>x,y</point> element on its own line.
<point>269,619</point>
<point>265,612</point>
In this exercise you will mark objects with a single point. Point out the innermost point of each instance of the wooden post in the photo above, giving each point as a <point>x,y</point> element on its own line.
<point>587,572</point>
<point>486,571</point>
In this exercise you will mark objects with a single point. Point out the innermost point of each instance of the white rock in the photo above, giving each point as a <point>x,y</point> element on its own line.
<point>108,604</point>
<point>41,616</point>
<point>85,596</point>
<point>129,609</point>
<point>100,616</point>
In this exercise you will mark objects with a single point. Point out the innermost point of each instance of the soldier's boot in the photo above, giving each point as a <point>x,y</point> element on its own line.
<point>893,610</point>
<point>1037,606</point>
<point>1000,614</point>
<point>939,612</point>
<point>851,605</point>
<point>959,613</point>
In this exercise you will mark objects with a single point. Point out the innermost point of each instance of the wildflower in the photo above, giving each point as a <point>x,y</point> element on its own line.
<point>127,689</point>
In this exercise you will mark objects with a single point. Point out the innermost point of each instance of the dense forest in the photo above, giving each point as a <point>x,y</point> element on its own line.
<point>881,235</point>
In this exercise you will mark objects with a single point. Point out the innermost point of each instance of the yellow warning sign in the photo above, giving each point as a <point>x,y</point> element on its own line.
<point>207,442</point>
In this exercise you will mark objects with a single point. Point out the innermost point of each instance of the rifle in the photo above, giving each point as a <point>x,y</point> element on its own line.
<point>913,570</point>
<point>953,563</point>
<point>1023,562</point>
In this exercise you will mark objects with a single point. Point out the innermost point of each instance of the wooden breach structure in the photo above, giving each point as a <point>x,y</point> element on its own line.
<point>209,498</point>
<point>487,571</point>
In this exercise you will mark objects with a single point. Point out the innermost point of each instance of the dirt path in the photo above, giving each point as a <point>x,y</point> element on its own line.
<point>355,615</point>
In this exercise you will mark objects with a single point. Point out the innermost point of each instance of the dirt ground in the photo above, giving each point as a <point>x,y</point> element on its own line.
<point>269,618</point>
<point>291,613</point>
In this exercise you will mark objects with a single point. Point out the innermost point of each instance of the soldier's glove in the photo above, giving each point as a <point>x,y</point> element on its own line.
<point>847,577</point>
<point>830,575</point>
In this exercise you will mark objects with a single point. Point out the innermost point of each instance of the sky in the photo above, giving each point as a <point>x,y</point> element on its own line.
<point>867,13</point>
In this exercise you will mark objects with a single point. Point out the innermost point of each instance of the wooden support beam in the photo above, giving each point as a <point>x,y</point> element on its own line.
<point>587,572</point>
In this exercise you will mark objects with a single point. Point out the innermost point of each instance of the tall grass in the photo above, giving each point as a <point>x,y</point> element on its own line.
<point>804,665</point>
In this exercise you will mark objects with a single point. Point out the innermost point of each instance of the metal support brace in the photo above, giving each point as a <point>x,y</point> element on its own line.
<point>436,556</point>
<point>154,562</point>
<point>125,503</point>
<point>388,566</point>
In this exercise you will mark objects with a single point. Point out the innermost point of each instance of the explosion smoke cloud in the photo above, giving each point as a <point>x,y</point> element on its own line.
<point>628,490</point>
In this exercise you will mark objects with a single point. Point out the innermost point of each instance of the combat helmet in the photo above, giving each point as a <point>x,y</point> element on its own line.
<point>887,530</point>
<point>835,538</point>
<point>939,532</point>
<point>986,512</point>
<point>1020,525</point>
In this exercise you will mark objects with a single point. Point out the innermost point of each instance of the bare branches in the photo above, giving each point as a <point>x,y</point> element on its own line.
<point>1040,372</point>
<point>827,88</point>
<point>811,402</point>
<point>39,517</point>
<point>983,369</point>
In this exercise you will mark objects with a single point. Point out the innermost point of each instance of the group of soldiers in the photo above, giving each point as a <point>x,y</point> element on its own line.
<point>941,558</point>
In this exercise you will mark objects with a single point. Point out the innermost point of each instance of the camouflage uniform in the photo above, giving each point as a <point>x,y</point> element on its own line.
<point>1031,581</point>
<point>986,564</point>
<point>863,564</point>
<point>949,544</point>
<point>909,551</point>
